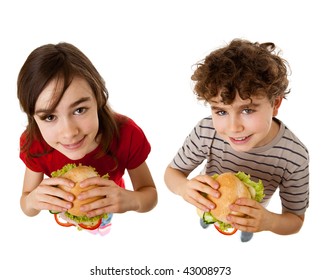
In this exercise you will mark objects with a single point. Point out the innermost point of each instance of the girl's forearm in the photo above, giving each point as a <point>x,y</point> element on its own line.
<point>24,206</point>
<point>146,198</point>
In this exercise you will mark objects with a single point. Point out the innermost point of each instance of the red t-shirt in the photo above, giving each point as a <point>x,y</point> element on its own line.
<point>132,150</point>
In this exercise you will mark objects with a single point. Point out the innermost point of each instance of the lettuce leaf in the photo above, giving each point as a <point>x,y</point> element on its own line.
<point>85,219</point>
<point>208,218</point>
<point>258,186</point>
<point>63,170</point>
<point>70,166</point>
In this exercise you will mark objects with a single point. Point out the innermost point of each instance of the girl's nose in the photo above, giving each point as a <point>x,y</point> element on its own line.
<point>69,129</point>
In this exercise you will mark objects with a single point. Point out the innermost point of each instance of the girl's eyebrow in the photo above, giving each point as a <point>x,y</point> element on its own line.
<point>79,101</point>
<point>72,105</point>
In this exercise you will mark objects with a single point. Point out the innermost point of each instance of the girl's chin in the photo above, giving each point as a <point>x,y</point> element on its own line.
<point>73,155</point>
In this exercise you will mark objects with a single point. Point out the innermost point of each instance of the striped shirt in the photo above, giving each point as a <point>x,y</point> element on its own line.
<point>283,163</point>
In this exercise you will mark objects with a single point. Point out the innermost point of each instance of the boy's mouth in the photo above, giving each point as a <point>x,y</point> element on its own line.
<point>240,140</point>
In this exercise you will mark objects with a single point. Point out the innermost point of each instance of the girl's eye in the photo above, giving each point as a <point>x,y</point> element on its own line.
<point>80,111</point>
<point>48,118</point>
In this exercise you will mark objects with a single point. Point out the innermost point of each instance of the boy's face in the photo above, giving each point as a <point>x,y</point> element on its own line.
<point>73,125</point>
<point>245,124</point>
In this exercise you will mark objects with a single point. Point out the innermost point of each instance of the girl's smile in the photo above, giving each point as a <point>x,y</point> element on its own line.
<point>74,146</point>
<point>71,127</point>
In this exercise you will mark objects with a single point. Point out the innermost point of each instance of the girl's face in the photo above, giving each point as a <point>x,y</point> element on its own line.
<point>245,124</point>
<point>72,127</point>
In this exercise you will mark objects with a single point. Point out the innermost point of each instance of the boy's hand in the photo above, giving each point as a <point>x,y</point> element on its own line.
<point>196,190</point>
<point>256,216</point>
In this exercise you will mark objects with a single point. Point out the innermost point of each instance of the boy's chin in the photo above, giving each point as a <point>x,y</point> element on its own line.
<point>241,148</point>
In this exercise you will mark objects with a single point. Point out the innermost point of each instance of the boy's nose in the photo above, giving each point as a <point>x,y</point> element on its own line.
<point>235,124</point>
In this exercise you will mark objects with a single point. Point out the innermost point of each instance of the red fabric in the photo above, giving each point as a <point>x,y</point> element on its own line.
<point>132,151</point>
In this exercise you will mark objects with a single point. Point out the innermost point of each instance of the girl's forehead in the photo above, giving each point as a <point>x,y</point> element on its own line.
<point>45,98</point>
<point>54,94</point>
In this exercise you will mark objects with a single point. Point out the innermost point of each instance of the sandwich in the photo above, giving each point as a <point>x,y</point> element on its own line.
<point>74,216</point>
<point>232,187</point>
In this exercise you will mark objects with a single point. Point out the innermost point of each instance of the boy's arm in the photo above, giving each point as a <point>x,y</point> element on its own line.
<point>192,190</point>
<point>258,218</point>
<point>175,180</point>
<point>286,223</point>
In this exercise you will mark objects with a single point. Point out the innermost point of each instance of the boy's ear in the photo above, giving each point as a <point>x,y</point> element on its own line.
<point>276,105</point>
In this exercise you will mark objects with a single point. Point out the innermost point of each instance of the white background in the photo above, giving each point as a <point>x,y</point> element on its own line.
<point>145,51</point>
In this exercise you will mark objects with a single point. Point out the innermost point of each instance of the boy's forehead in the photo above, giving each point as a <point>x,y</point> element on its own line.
<point>217,100</point>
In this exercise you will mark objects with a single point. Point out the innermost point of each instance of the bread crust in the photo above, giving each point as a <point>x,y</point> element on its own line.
<point>78,174</point>
<point>231,188</point>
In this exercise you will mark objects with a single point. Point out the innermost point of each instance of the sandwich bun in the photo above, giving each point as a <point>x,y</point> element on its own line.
<point>231,188</point>
<point>78,174</point>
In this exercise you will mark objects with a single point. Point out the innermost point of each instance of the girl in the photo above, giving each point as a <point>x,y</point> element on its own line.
<point>70,121</point>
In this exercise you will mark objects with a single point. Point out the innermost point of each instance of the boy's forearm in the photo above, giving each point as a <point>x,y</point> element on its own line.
<point>286,223</point>
<point>174,179</point>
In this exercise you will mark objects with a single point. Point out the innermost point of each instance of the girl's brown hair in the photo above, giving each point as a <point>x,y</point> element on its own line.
<point>249,69</point>
<point>63,62</point>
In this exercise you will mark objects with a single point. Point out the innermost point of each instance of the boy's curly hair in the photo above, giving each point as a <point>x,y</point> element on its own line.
<point>249,69</point>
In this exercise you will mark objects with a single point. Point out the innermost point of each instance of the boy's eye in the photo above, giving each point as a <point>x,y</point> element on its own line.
<point>220,113</point>
<point>248,111</point>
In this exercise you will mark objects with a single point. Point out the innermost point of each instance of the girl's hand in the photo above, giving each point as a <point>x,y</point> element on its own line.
<point>195,189</point>
<point>256,219</point>
<point>47,196</point>
<point>115,199</point>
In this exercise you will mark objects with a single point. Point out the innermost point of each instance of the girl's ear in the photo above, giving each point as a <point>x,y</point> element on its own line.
<point>276,105</point>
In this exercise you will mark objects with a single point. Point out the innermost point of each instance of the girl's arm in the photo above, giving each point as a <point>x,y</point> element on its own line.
<point>42,194</point>
<point>115,199</point>
<point>145,193</point>
<point>31,181</point>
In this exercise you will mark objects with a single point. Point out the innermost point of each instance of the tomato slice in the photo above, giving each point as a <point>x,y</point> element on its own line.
<point>229,232</point>
<point>91,227</point>
<point>63,224</point>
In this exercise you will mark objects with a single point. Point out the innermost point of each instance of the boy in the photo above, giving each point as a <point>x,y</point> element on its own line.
<point>244,83</point>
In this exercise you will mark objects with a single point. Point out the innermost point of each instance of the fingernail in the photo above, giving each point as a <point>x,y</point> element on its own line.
<point>69,205</point>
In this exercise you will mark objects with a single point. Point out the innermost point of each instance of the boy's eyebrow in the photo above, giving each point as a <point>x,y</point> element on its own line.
<point>217,107</point>
<point>72,105</point>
